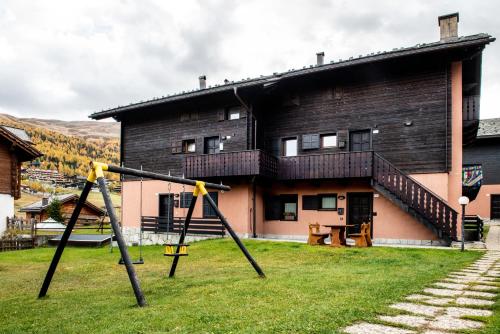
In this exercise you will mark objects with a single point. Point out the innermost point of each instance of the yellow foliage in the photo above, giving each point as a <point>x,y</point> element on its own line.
<point>71,155</point>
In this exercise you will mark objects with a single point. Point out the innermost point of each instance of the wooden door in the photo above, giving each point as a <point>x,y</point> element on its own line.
<point>212,145</point>
<point>166,209</point>
<point>495,207</point>
<point>360,141</point>
<point>359,210</point>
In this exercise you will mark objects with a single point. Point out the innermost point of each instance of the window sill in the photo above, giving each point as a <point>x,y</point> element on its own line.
<point>327,209</point>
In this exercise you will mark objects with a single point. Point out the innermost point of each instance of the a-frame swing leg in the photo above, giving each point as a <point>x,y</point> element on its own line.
<point>64,238</point>
<point>236,239</point>
<point>200,188</point>
<point>184,232</point>
<point>141,301</point>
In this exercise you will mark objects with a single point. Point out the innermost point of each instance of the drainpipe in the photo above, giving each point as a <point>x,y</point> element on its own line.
<point>235,90</point>
<point>254,201</point>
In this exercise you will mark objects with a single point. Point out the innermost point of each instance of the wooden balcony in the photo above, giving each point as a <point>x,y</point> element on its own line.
<point>259,163</point>
<point>470,118</point>
<point>243,163</point>
<point>326,166</point>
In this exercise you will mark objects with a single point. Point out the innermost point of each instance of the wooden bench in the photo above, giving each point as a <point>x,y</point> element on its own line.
<point>362,239</point>
<point>315,236</point>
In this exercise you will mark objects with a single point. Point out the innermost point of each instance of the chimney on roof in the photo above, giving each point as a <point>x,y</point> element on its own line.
<point>320,58</point>
<point>203,81</point>
<point>45,201</point>
<point>448,26</point>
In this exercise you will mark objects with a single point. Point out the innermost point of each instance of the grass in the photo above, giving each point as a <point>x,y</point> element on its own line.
<point>307,289</point>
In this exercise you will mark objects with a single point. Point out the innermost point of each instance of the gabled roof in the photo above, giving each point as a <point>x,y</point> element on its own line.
<point>38,206</point>
<point>454,43</point>
<point>20,139</point>
<point>489,128</point>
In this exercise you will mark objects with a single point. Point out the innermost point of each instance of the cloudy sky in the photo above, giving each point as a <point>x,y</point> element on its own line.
<point>67,59</point>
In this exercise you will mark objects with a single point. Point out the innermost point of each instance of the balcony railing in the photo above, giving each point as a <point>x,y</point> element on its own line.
<point>326,166</point>
<point>242,163</point>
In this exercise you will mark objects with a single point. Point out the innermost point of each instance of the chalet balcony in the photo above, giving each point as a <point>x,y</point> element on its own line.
<point>260,163</point>
<point>242,163</point>
<point>470,118</point>
<point>326,166</point>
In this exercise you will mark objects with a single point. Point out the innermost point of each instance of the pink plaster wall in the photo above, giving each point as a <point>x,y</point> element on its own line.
<point>481,206</point>
<point>455,174</point>
<point>390,223</point>
<point>235,205</point>
<point>436,182</point>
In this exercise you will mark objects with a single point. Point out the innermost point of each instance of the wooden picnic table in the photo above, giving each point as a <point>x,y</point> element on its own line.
<point>337,234</point>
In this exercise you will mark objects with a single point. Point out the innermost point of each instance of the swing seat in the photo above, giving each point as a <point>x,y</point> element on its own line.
<point>140,261</point>
<point>171,248</point>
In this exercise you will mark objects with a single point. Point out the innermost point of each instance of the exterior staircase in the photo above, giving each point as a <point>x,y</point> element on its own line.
<point>414,198</point>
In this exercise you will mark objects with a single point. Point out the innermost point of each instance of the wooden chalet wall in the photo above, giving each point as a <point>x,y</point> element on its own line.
<point>150,138</point>
<point>5,167</point>
<point>379,98</point>
<point>485,152</point>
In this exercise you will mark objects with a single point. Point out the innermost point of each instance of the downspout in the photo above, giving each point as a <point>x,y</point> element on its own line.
<point>254,203</point>
<point>254,187</point>
<point>446,119</point>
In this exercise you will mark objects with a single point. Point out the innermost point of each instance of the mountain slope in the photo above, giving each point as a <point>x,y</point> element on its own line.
<point>70,154</point>
<point>83,129</point>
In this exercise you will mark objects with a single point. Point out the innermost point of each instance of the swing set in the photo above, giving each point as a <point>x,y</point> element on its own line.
<point>173,250</point>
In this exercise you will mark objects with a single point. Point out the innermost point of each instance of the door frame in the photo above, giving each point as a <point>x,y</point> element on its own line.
<point>369,193</point>
<point>359,130</point>
<point>491,204</point>
<point>172,196</point>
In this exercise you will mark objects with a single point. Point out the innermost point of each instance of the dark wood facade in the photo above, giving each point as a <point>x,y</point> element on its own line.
<point>485,152</point>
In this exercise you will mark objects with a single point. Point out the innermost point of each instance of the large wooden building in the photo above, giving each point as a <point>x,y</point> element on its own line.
<point>15,148</point>
<point>371,138</point>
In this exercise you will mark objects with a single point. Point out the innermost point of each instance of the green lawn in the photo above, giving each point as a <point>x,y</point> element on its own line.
<point>307,289</point>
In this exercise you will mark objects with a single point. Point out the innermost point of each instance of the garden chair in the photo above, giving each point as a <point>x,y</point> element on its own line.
<point>362,239</point>
<point>315,236</point>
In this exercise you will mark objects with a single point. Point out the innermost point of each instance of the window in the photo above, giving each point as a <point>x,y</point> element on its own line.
<point>188,146</point>
<point>290,147</point>
<point>310,142</point>
<point>328,202</point>
<point>186,198</point>
<point>212,145</point>
<point>328,141</point>
<point>208,211</point>
<point>281,207</point>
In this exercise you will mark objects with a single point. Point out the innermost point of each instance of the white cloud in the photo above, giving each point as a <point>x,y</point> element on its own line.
<point>66,59</point>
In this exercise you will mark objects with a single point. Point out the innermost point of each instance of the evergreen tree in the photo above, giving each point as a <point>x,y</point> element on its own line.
<point>54,210</point>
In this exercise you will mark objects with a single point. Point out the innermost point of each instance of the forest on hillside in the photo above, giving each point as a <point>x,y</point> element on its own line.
<point>70,155</point>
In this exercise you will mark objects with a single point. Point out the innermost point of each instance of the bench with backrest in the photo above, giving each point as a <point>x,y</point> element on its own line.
<point>315,236</point>
<point>362,239</point>
<point>198,226</point>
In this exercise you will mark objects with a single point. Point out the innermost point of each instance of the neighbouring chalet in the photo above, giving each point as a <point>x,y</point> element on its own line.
<point>90,213</point>
<point>371,138</point>
<point>484,153</point>
<point>15,148</point>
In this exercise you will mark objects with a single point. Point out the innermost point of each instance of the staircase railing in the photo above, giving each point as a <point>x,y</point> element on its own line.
<point>416,196</point>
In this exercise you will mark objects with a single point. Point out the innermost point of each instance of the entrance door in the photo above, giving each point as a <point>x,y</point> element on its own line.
<point>212,145</point>
<point>360,141</point>
<point>495,207</point>
<point>166,210</point>
<point>208,211</point>
<point>359,210</point>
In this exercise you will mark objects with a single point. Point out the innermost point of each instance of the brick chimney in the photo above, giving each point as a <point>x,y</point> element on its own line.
<point>448,26</point>
<point>203,81</point>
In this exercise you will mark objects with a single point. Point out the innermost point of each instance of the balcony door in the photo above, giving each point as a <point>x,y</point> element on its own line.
<point>212,145</point>
<point>360,141</point>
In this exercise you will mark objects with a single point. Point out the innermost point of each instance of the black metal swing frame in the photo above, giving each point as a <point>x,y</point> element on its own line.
<point>97,175</point>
